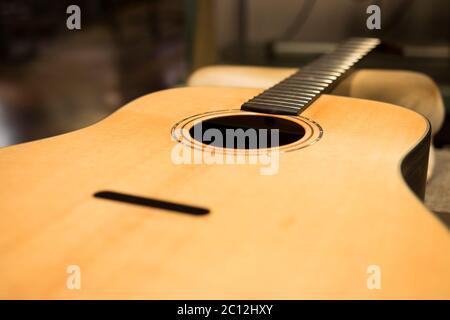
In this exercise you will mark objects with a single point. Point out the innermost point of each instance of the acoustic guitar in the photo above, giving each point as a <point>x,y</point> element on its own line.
<point>151,203</point>
<point>411,89</point>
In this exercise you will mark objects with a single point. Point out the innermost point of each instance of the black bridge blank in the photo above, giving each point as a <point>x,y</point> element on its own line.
<point>149,202</point>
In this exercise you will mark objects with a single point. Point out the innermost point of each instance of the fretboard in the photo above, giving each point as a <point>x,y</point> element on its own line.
<point>295,93</point>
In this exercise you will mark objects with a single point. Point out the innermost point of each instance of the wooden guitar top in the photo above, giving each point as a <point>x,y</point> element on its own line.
<point>334,208</point>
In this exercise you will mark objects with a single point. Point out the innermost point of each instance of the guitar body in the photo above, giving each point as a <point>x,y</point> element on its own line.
<point>412,90</point>
<point>312,230</point>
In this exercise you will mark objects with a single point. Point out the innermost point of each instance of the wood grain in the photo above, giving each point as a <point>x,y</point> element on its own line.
<point>309,231</point>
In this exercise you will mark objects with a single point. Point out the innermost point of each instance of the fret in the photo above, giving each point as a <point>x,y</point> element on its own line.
<point>354,55</point>
<point>328,64</point>
<point>319,72</point>
<point>345,56</point>
<point>279,102</point>
<point>296,104</point>
<point>290,93</point>
<point>339,61</point>
<point>307,74</point>
<point>315,76</point>
<point>282,99</point>
<point>357,44</point>
<point>271,109</point>
<point>308,89</point>
<point>350,50</point>
<point>307,80</point>
<point>349,53</point>
<point>324,69</point>
<point>297,97</point>
<point>303,94</point>
<point>286,100</point>
<point>322,63</point>
<point>295,93</point>
<point>302,84</point>
<point>353,48</point>
<point>299,87</point>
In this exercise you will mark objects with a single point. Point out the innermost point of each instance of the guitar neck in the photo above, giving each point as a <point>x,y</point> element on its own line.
<point>294,94</point>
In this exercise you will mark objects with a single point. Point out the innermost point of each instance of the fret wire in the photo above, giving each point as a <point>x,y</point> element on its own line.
<point>344,57</point>
<point>300,82</point>
<point>353,55</point>
<point>296,101</point>
<point>284,103</point>
<point>340,59</point>
<point>316,76</point>
<point>281,102</point>
<point>304,91</point>
<point>313,92</point>
<point>306,77</point>
<point>349,53</point>
<point>323,69</point>
<point>343,69</point>
<point>287,95</point>
<point>271,110</point>
<point>328,65</point>
<point>311,71</point>
<point>307,74</point>
<point>352,50</point>
<point>343,62</point>
<point>308,80</point>
<point>274,104</point>
<point>356,45</point>
<point>303,84</point>
<point>299,86</point>
<point>294,96</point>
<point>303,80</point>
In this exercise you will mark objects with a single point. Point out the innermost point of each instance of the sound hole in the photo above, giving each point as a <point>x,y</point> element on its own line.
<point>247,132</point>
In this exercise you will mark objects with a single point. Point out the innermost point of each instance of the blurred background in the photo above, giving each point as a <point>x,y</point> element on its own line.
<point>54,80</point>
